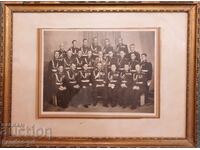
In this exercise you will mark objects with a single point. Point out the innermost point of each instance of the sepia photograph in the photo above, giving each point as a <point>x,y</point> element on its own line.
<point>92,71</point>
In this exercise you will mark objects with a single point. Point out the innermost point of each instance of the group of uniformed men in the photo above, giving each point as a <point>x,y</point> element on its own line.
<point>90,74</point>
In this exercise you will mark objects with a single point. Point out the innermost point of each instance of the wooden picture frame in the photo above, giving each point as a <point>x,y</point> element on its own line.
<point>192,39</point>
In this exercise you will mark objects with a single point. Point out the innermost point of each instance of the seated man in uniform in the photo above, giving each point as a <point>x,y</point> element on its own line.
<point>147,69</point>
<point>121,46</point>
<point>126,82</point>
<point>113,86</point>
<point>68,60</point>
<point>132,50</point>
<point>73,85</point>
<point>95,47</point>
<point>85,48</point>
<point>74,48</point>
<point>99,84</point>
<point>59,86</point>
<point>84,96</point>
<point>139,87</point>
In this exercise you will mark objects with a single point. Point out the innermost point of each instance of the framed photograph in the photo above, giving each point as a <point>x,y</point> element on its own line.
<point>99,74</point>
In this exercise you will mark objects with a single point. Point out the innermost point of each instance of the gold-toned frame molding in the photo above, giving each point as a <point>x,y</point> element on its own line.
<point>190,138</point>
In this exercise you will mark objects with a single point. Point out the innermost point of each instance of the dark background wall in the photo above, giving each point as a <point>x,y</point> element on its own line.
<point>144,41</point>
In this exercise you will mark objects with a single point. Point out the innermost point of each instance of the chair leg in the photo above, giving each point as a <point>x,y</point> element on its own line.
<point>55,101</point>
<point>142,99</point>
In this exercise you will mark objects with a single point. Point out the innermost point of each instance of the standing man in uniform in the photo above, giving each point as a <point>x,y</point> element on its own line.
<point>62,51</point>
<point>147,69</point>
<point>52,69</point>
<point>121,46</point>
<point>95,47</point>
<point>132,50</point>
<point>107,47</point>
<point>85,48</point>
<point>74,47</point>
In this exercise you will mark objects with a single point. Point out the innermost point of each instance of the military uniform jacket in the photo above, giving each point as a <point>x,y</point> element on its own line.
<point>53,65</point>
<point>59,81</point>
<point>85,50</point>
<point>140,79</point>
<point>89,61</point>
<point>68,61</point>
<point>95,49</point>
<point>72,77</point>
<point>111,60</point>
<point>147,69</point>
<point>79,62</point>
<point>121,62</point>
<point>136,54</point>
<point>100,60</point>
<point>122,47</point>
<point>114,78</point>
<point>108,48</point>
<point>62,53</point>
<point>132,65</point>
<point>74,50</point>
<point>126,78</point>
<point>84,78</point>
<point>99,78</point>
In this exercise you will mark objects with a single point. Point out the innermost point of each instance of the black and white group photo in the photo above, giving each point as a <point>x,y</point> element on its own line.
<point>99,71</point>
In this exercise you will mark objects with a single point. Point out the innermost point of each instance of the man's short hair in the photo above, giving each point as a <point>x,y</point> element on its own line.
<point>132,44</point>
<point>74,41</point>
<point>110,51</point>
<point>79,50</point>
<point>122,51</point>
<point>56,51</point>
<point>144,54</point>
<point>94,38</point>
<point>84,39</point>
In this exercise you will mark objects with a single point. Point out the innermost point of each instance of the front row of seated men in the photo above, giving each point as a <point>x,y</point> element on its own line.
<point>113,83</point>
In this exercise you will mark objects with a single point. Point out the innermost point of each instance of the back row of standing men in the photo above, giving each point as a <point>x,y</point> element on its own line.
<point>94,71</point>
